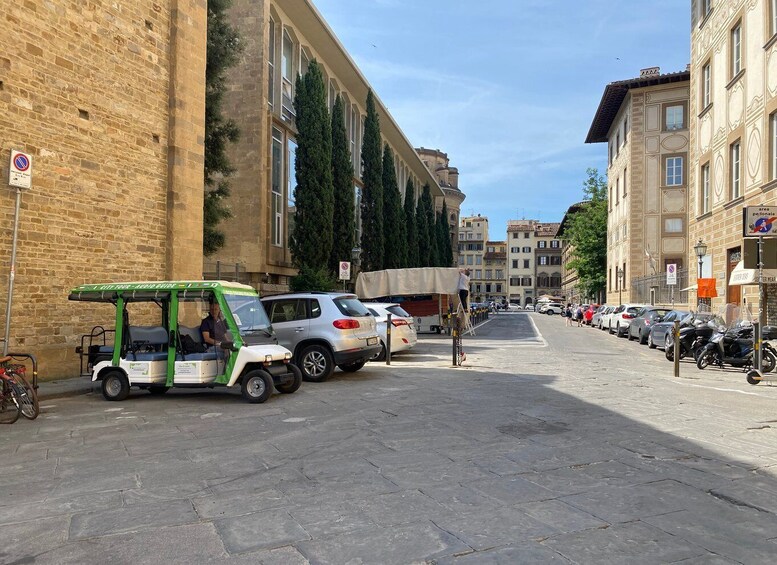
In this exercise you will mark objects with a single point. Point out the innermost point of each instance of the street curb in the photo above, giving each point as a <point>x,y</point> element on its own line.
<point>75,389</point>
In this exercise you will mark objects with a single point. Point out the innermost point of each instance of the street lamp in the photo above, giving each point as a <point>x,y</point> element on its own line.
<point>701,250</point>
<point>620,285</point>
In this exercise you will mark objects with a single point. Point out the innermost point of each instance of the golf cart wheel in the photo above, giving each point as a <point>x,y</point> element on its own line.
<point>115,386</point>
<point>157,390</point>
<point>256,386</point>
<point>294,385</point>
<point>753,377</point>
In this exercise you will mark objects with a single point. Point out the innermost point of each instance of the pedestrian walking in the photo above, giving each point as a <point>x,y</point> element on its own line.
<point>568,314</point>
<point>579,316</point>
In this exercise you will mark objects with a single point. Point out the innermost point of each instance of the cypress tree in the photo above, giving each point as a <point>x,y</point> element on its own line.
<point>445,238</point>
<point>422,230</point>
<point>311,241</point>
<point>372,196</point>
<point>431,226</point>
<point>223,51</point>
<point>411,259</point>
<point>342,179</point>
<point>394,236</point>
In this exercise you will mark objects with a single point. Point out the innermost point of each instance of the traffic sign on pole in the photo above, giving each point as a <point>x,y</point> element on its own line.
<point>20,171</point>
<point>345,271</point>
<point>671,274</point>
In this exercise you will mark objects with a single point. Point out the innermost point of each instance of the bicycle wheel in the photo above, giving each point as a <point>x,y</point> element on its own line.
<point>27,397</point>
<point>10,407</point>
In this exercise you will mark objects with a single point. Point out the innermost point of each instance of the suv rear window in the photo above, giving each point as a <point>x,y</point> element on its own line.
<point>398,311</point>
<point>351,307</point>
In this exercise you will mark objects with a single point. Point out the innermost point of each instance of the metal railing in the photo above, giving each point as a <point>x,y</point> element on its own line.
<point>215,270</point>
<point>654,290</point>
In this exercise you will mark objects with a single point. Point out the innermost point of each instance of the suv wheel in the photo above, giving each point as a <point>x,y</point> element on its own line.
<point>316,363</point>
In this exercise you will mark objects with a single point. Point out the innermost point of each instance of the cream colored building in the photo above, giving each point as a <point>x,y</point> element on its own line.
<point>733,160</point>
<point>548,269</point>
<point>473,235</point>
<point>280,38</point>
<point>448,179</point>
<point>521,262</point>
<point>644,122</point>
<point>495,272</point>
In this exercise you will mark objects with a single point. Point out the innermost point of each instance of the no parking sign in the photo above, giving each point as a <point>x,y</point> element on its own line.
<point>345,271</point>
<point>20,171</point>
<point>671,274</point>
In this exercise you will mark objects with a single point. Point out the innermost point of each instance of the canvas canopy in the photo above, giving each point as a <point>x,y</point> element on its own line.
<point>740,275</point>
<point>399,282</point>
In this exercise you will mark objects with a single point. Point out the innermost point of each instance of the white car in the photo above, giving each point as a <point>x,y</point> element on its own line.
<point>621,318</point>
<point>529,307</point>
<point>403,333</point>
<point>554,308</point>
<point>604,319</point>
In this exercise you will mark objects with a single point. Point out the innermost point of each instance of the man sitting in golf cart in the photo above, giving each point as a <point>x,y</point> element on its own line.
<point>213,328</point>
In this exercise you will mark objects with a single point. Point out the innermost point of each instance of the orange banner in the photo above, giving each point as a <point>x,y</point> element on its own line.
<point>707,288</point>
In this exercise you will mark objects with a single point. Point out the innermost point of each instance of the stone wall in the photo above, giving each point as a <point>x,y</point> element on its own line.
<point>109,100</point>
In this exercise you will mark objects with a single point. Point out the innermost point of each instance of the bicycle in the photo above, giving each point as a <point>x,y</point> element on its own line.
<point>10,405</point>
<point>13,377</point>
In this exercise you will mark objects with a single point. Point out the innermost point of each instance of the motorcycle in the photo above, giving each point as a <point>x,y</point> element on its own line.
<point>735,347</point>
<point>695,333</point>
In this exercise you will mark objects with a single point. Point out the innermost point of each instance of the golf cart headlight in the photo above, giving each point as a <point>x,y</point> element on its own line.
<point>287,356</point>
<point>268,358</point>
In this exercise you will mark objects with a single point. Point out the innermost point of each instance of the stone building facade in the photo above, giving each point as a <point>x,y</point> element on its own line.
<point>473,235</point>
<point>547,260</point>
<point>448,179</point>
<point>109,99</point>
<point>521,262</point>
<point>495,272</point>
<point>644,122</point>
<point>280,38</point>
<point>733,160</point>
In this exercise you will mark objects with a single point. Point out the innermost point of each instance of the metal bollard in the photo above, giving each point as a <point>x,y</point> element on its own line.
<point>388,339</point>
<point>676,333</point>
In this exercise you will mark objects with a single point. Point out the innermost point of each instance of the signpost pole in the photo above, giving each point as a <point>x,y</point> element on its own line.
<point>759,331</point>
<point>12,274</point>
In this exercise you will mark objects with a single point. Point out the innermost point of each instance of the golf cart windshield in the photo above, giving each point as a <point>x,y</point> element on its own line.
<point>249,314</point>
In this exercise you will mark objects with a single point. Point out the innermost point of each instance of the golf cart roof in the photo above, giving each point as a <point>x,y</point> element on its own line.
<point>154,290</point>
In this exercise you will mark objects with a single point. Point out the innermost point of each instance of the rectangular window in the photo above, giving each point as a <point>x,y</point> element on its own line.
<point>478,260</point>
<point>525,281</point>
<point>617,191</point>
<point>555,260</point>
<point>515,281</point>
<point>526,263</point>
<point>488,288</point>
<point>271,66</point>
<point>736,49</point>
<point>500,274</point>
<point>357,211</point>
<point>541,244</point>
<point>354,154</point>
<point>674,171</point>
<point>624,231</point>
<point>673,225</point>
<point>704,197</point>
<point>555,244</point>
<point>469,235</point>
<point>624,182</point>
<point>706,6</point>
<point>526,235</point>
<point>734,154</point>
<point>304,62</point>
<point>675,117</point>
<point>515,250</point>
<point>470,260</point>
<point>706,84</point>
<point>773,148</point>
<point>515,263</point>
<point>477,289</point>
<point>287,83</point>
<point>291,185</point>
<point>527,249</point>
<point>277,191</point>
<point>478,274</point>
<point>515,235</point>
<point>543,260</point>
<point>499,288</point>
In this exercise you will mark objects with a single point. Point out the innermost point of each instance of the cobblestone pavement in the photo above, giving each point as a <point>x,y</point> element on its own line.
<point>552,445</point>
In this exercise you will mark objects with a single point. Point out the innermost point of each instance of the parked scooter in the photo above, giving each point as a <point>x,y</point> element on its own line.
<point>695,333</point>
<point>735,347</point>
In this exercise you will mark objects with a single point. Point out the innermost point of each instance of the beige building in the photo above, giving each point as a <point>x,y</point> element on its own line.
<point>521,262</point>
<point>448,179</point>
<point>569,277</point>
<point>733,160</point>
<point>644,122</point>
<point>110,104</point>
<point>547,260</point>
<point>473,235</point>
<point>280,38</point>
<point>495,272</point>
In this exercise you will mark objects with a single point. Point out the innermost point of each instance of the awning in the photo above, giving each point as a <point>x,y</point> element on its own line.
<point>740,275</point>
<point>692,287</point>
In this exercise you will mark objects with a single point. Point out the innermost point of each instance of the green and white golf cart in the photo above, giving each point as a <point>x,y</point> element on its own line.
<point>171,353</point>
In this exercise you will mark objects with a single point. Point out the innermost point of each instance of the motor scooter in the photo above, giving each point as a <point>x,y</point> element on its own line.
<point>735,347</point>
<point>695,333</point>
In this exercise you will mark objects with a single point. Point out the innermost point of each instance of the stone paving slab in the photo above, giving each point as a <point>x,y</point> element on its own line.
<point>131,519</point>
<point>525,552</point>
<point>268,529</point>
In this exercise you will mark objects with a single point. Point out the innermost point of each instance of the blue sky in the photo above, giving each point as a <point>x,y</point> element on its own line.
<point>508,88</point>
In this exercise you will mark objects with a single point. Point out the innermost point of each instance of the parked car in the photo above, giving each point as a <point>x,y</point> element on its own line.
<point>588,315</point>
<point>621,318</point>
<point>597,317</point>
<point>324,330</point>
<point>541,307</point>
<point>403,334</point>
<point>639,327</point>
<point>529,307</point>
<point>554,308</point>
<point>659,331</point>
<point>604,319</point>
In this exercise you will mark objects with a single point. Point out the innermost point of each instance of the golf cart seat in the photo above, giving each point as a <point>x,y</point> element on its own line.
<point>147,343</point>
<point>196,336</point>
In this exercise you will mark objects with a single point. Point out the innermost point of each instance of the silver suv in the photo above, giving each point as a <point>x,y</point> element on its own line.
<point>324,330</point>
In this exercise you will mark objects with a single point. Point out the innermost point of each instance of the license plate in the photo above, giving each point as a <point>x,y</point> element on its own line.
<point>372,340</point>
